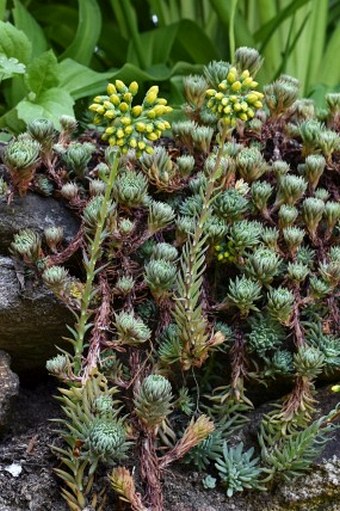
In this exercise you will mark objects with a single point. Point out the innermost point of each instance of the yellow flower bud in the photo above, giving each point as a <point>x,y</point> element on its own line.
<point>110,130</point>
<point>140,127</point>
<point>254,84</point>
<point>232,75</point>
<point>110,114</point>
<point>141,145</point>
<point>335,388</point>
<point>151,114</point>
<point>126,121</point>
<point>114,98</point>
<point>121,87</point>
<point>133,88</point>
<point>210,92</point>
<point>219,96</point>
<point>120,133</point>
<point>245,74</point>
<point>111,89</point>
<point>237,107</point>
<point>233,98</point>
<point>123,107</point>
<point>127,97</point>
<point>93,107</point>
<point>128,130</point>
<point>236,86</point>
<point>225,101</point>
<point>120,142</point>
<point>251,98</point>
<point>124,150</point>
<point>243,116</point>
<point>161,101</point>
<point>244,106</point>
<point>133,143</point>
<point>151,95</point>
<point>137,110</point>
<point>227,109</point>
<point>112,141</point>
<point>250,113</point>
<point>248,81</point>
<point>218,248</point>
<point>220,257</point>
<point>149,128</point>
<point>107,105</point>
<point>258,104</point>
<point>223,86</point>
<point>152,136</point>
<point>149,149</point>
<point>97,99</point>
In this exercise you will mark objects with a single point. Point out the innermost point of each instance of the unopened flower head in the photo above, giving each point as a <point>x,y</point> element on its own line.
<point>235,97</point>
<point>127,126</point>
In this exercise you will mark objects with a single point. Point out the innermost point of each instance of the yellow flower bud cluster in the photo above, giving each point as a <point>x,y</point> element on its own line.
<point>224,253</point>
<point>127,126</point>
<point>235,98</point>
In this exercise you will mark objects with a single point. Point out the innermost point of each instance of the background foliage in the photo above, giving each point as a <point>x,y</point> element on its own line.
<point>83,44</point>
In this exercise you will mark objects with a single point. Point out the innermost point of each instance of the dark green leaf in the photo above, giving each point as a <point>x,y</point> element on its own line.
<point>43,73</point>
<point>26,22</point>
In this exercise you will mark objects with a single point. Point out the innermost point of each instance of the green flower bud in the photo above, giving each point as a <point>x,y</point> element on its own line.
<point>260,194</point>
<point>312,211</point>
<point>77,156</point>
<point>194,90</point>
<point>69,191</point>
<point>270,237</point>
<point>263,265</point>
<point>291,189</point>
<point>27,244</point>
<point>165,251</point>
<point>21,157</point>
<point>125,285</point>
<point>281,94</point>
<point>131,330</point>
<point>130,188</point>
<point>297,272</point>
<point>96,187</point>
<point>248,59</point>
<point>280,168</point>
<point>58,366</point>
<point>293,237</point>
<point>153,400</point>
<point>287,216</point>
<point>243,292</point>
<point>107,439</point>
<point>322,194</point>
<point>186,164</point>
<point>308,362</point>
<point>230,205</point>
<point>160,276</point>
<point>313,169</point>
<point>250,164</point>
<point>43,131</point>
<point>56,278</point>
<point>280,305</point>
<point>53,237</point>
<point>160,215</point>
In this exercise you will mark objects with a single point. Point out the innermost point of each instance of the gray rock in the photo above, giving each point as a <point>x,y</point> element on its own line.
<point>34,212</point>
<point>32,320</point>
<point>9,386</point>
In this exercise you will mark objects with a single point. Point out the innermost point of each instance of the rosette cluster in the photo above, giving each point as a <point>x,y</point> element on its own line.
<point>235,97</point>
<point>127,126</point>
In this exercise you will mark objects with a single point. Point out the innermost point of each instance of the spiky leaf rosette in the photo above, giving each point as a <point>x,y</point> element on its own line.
<point>238,469</point>
<point>21,156</point>
<point>153,400</point>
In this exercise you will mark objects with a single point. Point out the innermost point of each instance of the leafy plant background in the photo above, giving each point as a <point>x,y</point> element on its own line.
<point>70,49</point>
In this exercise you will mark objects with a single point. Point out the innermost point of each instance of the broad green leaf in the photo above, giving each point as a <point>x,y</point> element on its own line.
<point>157,45</point>
<point>61,27</point>
<point>11,121</point>
<point>330,68</point>
<point>88,32</point>
<point>14,43</point>
<point>52,104</point>
<point>25,21</point>
<point>193,45</point>
<point>242,34</point>
<point>43,73</point>
<point>266,31</point>
<point>10,67</point>
<point>2,9</point>
<point>81,81</point>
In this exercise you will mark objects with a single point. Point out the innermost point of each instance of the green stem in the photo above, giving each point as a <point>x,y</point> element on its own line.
<point>82,323</point>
